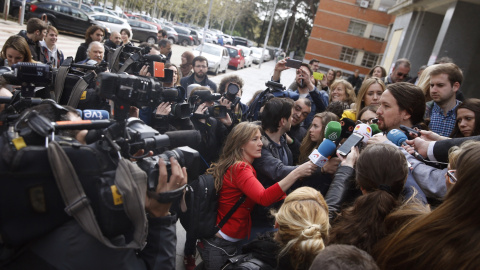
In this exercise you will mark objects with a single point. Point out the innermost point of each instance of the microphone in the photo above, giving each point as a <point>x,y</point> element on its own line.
<point>398,138</point>
<point>364,130</point>
<point>94,114</point>
<point>327,148</point>
<point>347,127</point>
<point>321,155</point>
<point>333,130</point>
<point>375,129</point>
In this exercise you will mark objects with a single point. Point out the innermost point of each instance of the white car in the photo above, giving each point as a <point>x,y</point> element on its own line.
<point>257,53</point>
<point>114,23</point>
<point>208,37</point>
<point>216,55</point>
<point>247,54</point>
<point>227,40</point>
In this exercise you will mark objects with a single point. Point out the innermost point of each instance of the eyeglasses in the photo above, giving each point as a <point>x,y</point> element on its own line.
<point>400,74</point>
<point>451,176</point>
<point>365,121</point>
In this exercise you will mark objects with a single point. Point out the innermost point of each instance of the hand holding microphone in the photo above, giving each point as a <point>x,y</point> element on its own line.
<point>327,148</point>
<point>399,138</point>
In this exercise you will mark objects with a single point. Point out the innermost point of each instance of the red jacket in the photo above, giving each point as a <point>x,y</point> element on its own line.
<point>241,178</point>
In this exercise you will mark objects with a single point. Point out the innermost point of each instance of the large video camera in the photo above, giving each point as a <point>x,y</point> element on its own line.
<point>274,89</point>
<point>199,96</point>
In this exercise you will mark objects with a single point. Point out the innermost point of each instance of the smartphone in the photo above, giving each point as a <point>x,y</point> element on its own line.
<point>318,76</point>
<point>410,130</point>
<point>354,140</point>
<point>293,63</point>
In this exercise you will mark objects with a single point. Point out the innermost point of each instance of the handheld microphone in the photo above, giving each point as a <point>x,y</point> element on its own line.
<point>347,127</point>
<point>94,115</point>
<point>398,138</point>
<point>333,130</point>
<point>327,148</point>
<point>364,130</point>
<point>375,129</point>
<point>321,155</point>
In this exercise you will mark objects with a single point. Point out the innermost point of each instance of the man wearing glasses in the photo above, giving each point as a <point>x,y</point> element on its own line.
<point>399,73</point>
<point>199,76</point>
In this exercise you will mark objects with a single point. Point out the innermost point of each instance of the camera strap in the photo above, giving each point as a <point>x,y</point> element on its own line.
<point>127,63</point>
<point>131,183</point>
<point>60,80</point>
<point>78,89</point>
<point>113,59</point>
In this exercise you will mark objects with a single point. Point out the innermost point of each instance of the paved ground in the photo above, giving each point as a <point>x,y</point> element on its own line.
<point>254,78</point>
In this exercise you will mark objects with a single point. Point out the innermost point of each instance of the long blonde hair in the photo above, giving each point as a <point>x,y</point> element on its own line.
<point>303,226</point>
<point>308,145</point>
<point>360,102</point>
<point>232,150</point>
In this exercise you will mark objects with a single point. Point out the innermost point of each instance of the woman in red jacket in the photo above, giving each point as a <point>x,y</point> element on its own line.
<point>235,176</point>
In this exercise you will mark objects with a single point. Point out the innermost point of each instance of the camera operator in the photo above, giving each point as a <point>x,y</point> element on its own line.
<point>70,247</point>
<point>164,120</point>
<point>231,87</point>
<point>213,131</point>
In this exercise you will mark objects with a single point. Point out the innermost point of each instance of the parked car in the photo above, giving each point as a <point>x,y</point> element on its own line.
<point>83,7</point>
<point>142,19</point>
<point>104,10</point>
<point>247,52</point>
<point>142,31</point>
<point>171,33</point>
<point>240,41</point>
<point>227,40</point>
<point>257,55</point>
<point>196,36</point>
<point>216,55</point>
<point>184,37</point>
<point>208,37</point>
<point>63,16</point>
<point>14,7</point>
<point>112,22</point>
<point>237,58</point>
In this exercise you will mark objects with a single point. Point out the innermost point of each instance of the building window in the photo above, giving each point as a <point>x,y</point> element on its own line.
<point>357,28</point>
<point>370,59</point>
<point>348,55</point>
<point>385,5</point>
<point>365,3</point>
<point>378,32</point>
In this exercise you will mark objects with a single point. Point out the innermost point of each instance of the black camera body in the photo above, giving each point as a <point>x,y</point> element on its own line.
<point>200,96</point>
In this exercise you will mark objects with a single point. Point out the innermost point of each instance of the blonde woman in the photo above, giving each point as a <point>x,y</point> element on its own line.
<point>303,227</point>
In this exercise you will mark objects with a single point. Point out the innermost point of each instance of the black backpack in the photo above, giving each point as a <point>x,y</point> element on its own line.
<point>202,208</point>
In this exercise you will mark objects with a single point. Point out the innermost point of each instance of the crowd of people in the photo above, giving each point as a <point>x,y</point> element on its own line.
<point>385,205</point>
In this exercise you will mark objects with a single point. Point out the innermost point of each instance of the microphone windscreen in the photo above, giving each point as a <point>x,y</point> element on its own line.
<point>333,130</point>
<point>95,115</point>
<point>375,129</point>
<point>396,136</point>
<point>347,127</point>
<point>189,138</point>
<point>327,148</point>
<point>364,130</point>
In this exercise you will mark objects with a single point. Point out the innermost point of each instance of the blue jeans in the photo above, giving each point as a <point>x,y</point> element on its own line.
<point>216,251</point>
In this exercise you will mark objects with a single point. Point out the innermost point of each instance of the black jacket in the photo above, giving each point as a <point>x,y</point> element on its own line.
<point>35,47</point>
<point>297,133</point>
<point>213,134</point>
<point>440,149</point>
<point>342,191</point>
<point>69,247</point>
<point>81,52</point>
<point>185,82</point>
